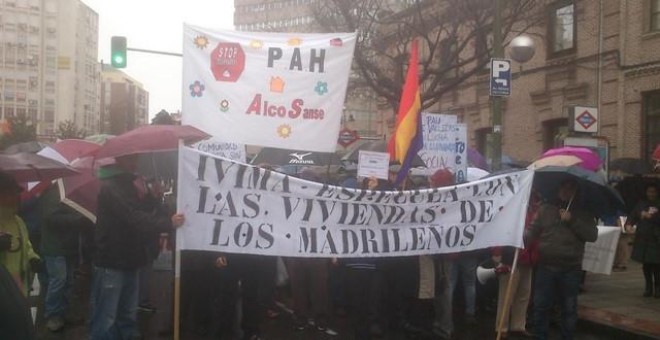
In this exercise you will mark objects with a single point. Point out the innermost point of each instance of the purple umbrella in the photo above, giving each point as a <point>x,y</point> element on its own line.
<point>590,160</point>
<point>476,160</point>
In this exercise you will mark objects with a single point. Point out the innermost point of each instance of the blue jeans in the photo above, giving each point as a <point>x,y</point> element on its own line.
<point>114,304</point>
<point>551,287</point>
<point>466,265</point>
<point>60,277</point>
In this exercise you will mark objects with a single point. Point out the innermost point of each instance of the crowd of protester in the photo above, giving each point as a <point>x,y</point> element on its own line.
<point>431,294</point>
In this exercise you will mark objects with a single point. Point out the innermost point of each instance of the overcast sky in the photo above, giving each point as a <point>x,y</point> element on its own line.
<point>157,25</point>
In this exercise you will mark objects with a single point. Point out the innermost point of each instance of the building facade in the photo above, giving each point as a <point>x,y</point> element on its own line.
<point>602,54</point>
<point>124,102</point>
<point>48,63</point>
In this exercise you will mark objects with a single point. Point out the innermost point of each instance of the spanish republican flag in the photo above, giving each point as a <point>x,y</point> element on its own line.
<point>406,141</point>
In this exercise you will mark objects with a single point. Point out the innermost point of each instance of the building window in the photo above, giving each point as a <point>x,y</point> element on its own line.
<point>554,131</point>
<point>651,109</point>
<point>655,16</point>
<point>561,28</point>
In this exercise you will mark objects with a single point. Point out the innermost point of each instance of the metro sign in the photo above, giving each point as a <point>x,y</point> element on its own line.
<point>347,137</point>
<point>585,119</point>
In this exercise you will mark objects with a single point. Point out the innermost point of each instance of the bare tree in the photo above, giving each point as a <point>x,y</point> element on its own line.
<point>455,38</point>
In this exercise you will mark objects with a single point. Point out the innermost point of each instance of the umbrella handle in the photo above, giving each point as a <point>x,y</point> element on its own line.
<point>570,202</point>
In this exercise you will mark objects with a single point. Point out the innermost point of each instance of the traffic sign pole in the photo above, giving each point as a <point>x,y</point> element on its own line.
<point>496,101</point>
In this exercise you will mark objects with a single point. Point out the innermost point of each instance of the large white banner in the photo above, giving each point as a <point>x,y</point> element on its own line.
<point>445,145</point>
<point>237,208</point>
<point>283,90</point>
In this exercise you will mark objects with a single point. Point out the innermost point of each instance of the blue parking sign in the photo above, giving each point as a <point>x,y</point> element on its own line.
<point>500,77</point>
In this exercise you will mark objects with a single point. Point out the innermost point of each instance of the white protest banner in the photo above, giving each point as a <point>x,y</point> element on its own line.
<point>445,146</point>
<point>599,256</point>
<point>237,208</point>
<point>373,164</point>
<point>234,151</point>
<point>283,90</point>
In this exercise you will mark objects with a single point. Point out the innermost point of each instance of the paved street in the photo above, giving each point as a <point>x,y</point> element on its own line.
<point>617,297</point>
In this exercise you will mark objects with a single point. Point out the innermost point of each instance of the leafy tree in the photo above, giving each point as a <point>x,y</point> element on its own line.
<point>455,40</point>
<point>69,130</point>
<point>162,118</point>
<point>20,130</point>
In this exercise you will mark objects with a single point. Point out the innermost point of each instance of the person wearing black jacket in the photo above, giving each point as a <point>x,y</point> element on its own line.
<point>126,221</point>
<point>561,228</point>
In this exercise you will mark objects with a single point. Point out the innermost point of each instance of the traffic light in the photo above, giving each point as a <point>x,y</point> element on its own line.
<point>118,52</point>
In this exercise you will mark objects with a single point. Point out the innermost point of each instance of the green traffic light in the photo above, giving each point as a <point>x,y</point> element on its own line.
<point>118,52</point>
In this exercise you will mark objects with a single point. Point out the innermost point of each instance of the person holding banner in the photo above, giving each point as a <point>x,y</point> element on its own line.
<point>443,324</point>
<point>125,223</point>
<point>515,319</point>
<point>646,248</point>
<point>309,284</point>
<point>562,228</point>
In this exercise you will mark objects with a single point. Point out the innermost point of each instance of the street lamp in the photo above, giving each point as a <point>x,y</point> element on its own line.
<point>521,49</point>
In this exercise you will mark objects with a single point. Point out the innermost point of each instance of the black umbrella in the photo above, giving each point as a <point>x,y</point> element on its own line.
<point>28,147</point>
<point>595,194</point>
<point>633,189</point>
<point>282,157</point>
<point>633,166</point>
<point>353,155</point>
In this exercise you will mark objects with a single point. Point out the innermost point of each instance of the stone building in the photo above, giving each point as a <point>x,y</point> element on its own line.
<point>604,54</point>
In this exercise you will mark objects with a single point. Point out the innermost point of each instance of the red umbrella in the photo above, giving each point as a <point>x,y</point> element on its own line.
<point>590,160</point>
<point>80,191</point>
<point>27,167</point>
<point>65,151</point>
<point>150,138</point>
<point>71,149</point>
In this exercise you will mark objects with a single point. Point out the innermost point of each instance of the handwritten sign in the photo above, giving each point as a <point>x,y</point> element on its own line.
<point>445,145</point>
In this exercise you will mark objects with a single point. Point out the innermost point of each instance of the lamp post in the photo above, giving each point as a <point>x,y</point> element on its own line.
<point>521,50</point>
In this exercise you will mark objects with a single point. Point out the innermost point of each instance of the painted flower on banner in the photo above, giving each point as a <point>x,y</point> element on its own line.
<point>224,105</point>
<point>256,44</point>
<point>321,88</point>
<point>201,42</point>
<point>294,42</point>
<point>284,130</point>
<point>196,89</point>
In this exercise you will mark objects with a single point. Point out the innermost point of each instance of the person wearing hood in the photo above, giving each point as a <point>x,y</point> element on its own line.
<point>126,221</point>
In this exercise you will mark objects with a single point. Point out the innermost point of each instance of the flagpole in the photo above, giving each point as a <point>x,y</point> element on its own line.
<point>507,296</point>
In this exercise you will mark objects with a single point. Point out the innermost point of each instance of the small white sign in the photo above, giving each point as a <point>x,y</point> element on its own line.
<point>234,151</point>
<point>599,256</point>
<point>373,164</point>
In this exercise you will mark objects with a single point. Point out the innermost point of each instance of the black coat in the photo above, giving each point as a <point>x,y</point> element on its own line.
<point>646,248</point>
<point>126,226</point>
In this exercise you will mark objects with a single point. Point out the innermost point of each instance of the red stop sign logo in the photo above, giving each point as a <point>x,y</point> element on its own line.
<point>227,62</point>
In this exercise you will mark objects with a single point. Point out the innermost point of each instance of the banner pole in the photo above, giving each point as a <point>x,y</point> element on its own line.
<point>177,294</point>
<point>507,296</point>
<point>177,256</point>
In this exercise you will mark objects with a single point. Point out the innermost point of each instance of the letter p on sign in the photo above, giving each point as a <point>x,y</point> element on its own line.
<point>500,77</point>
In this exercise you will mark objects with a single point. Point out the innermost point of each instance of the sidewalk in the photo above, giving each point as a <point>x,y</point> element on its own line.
<point>616,301</point>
